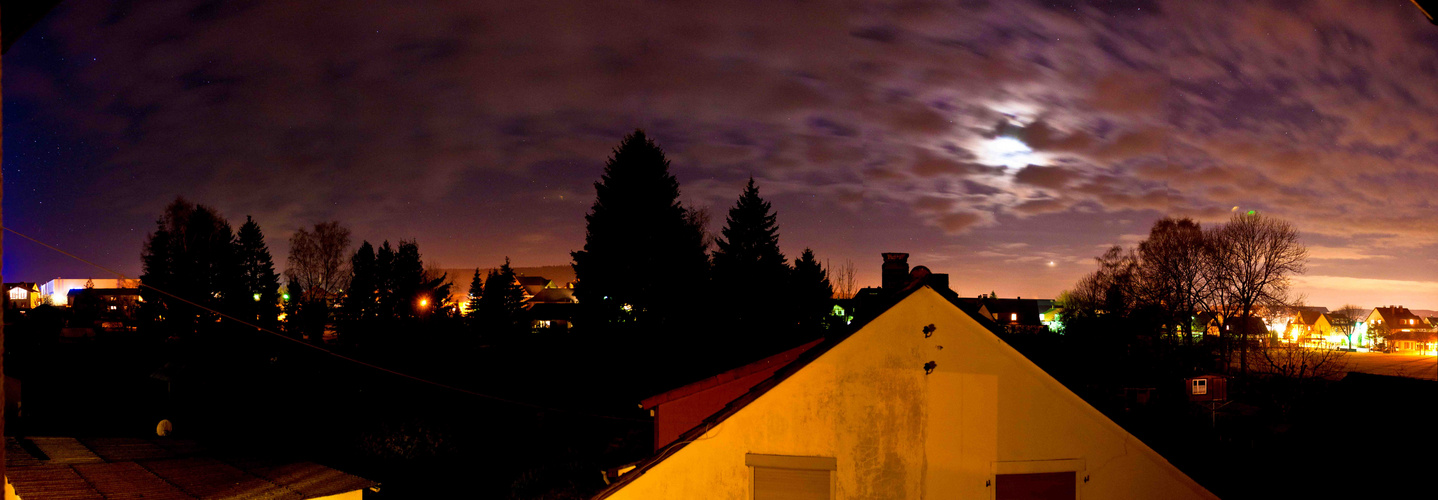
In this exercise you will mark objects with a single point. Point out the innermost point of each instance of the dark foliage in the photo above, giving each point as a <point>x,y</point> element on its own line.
<point>257,272</point>
<point>501,307</point>
<point>813,296</point>
<point>192,254</point>
<point>641,248</point>
<point>748,263</point>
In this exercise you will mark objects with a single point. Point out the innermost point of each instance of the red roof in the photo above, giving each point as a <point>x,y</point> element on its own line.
<point>770,363</point>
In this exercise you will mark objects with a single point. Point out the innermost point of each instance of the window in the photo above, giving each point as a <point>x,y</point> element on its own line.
<point>18,293</point>
<point>1038,479</point>
<point>1200,386</point>
<point>1036,486</point>
<point>1013,316</point>
<point>784,477</point>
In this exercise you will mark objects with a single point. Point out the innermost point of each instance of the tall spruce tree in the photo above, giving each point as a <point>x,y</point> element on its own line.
<point>640,244</point>
<point>416,294</point>
<point>361,298</point>
<point>812,293</point>
<point>748,261</point>
<point>385,297</point>
<point>476,293</point>
<point>257,273</point>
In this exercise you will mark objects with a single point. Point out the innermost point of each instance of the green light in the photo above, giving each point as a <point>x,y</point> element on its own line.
<point>1252,212</point>
<point>257,297</point>
<point>285,296</point>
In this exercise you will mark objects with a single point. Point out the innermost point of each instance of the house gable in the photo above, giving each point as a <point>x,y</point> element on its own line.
<point>896,431</point>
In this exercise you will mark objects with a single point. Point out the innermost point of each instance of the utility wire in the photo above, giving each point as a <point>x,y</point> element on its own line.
<point>321,349</point>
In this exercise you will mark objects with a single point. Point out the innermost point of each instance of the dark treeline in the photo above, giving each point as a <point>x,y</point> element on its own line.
<point>1182,280</point>
<point>1190,300</point>
<point>649,274</point>
<point>662,302</point>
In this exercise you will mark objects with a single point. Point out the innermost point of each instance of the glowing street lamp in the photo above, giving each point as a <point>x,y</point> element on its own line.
<point>423,302</point>
<point>257,297</point>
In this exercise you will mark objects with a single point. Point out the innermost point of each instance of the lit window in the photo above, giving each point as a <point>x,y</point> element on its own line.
<point>791,477</point>
<point>112,308</point>
<point>1013,316</point>
<point>18,293</point>
<point>1200,386</point>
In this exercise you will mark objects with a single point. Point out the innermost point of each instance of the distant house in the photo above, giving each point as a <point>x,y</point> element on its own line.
<point>1397,328</point>
<point>1053,317</point>
<point>1214,324</point>
<point>551,308</point>
<point>41,468</point>
<point>22,295</point>
<point>57,291</point>
<point>920,401</point>
<point>532,285</point>
<point>1308,328</point>
<point>1017,314</point>
<point>108,309</point>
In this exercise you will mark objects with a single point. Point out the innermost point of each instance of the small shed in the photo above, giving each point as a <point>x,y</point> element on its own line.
<point>1204,388</point>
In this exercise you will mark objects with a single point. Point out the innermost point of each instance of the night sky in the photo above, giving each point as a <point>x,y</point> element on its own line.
<point>988,139</point>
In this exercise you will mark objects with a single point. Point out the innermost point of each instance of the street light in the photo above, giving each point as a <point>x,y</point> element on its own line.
<point>257,297</point>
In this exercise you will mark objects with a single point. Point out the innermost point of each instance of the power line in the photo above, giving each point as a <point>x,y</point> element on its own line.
<point>322,349</point>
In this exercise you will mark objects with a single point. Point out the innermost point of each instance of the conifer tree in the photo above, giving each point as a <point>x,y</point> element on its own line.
<point>362,296</point>
<point>748,262</point>
<point>502,304</point>
<point>386,302</point>
<point>813,294</point>
<point>476,293</point>
<point>640,244</point>
<point>257,273</point>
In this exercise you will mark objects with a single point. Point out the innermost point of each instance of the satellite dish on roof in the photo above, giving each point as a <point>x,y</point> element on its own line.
<point>164,428</point>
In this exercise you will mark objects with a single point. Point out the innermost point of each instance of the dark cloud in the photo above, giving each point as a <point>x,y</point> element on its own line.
<point>1045,177</point>
<point>486,118</point>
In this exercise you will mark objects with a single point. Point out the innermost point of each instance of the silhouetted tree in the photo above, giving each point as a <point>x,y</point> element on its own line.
<point>416,293</point>
<point>845,278</point>
<point>317,260</point>
<point>501,306</point>
<point>317,267</point>
<point>1253,260</point>
<point>476,293</point>
<point>641,245</point>
<point>385,296</point>
<point>747,261</point>
<point>362,295</point>
<point>191,254</point>
<point>813,294</point>
<point>1344,320</point>
<point>1174,271</point>
<point>257,273</point>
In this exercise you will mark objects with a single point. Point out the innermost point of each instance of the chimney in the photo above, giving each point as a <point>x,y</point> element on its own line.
<point>896,270</point>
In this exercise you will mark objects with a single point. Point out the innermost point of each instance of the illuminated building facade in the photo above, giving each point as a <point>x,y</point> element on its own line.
<point>57,291</point>
<point>921,401</point>
<point>22,295</point>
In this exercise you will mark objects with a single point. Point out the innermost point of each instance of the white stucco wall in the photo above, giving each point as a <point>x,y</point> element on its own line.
<point>898,433</point>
